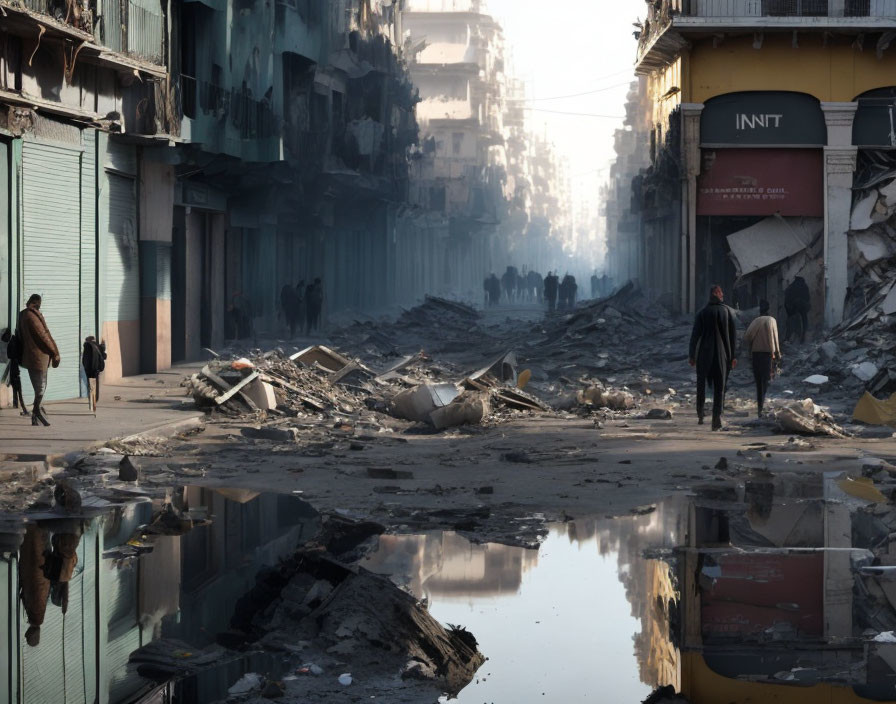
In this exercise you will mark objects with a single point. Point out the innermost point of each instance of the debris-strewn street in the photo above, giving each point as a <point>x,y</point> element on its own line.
<point>419,427</point>
<point>413,351</point>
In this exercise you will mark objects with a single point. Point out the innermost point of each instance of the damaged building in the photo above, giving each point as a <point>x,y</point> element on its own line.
<point>202,155</point>
<point>763,117</point>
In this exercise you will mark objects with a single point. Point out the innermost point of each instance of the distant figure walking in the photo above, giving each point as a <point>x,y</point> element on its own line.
<point>492,290</point>
<point>509,282</point>
<point>93,359</point>
<point>314,301</point>
<point>568,288</point>
<point>39,351</point>
<point>712,351</point>
<point>14,354</point>
<point>797,304</point>
<point>761,341</point>
<point>535,284</point>
<point>289,307</point>
<point>300,309</point>
<point>551,289</point>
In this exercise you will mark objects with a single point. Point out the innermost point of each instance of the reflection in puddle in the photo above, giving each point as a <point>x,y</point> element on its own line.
<point>774,590</point>
<point>111,610</point>
<point>557,624</point>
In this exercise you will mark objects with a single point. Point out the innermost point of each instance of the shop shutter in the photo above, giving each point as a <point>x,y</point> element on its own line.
<point>61,668</point>
<point>51,216</point>
<point>122,275</point>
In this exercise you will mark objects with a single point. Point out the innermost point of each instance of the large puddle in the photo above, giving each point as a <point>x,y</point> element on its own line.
<point>770,590</point>
<point>95,608</point>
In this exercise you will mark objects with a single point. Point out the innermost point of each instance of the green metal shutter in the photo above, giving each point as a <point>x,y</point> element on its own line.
<point>61,668</point>
<point>88,235</point>
<point>51,221</point>
<point>122,275</point>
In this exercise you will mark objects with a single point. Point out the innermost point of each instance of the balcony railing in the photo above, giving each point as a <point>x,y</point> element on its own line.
<point>253,119</point>
<point>125,26</point>
<point>780,8</point>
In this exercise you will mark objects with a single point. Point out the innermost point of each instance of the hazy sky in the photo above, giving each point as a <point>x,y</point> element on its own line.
<point>566,47</point>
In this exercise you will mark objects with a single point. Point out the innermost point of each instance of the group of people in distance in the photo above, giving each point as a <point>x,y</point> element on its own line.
<point>301,306</point>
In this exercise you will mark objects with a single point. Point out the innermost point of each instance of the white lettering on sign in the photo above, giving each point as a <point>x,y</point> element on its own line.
<point>751,122</point>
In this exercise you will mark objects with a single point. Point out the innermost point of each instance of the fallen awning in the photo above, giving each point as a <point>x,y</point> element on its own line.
<point>770,241</point>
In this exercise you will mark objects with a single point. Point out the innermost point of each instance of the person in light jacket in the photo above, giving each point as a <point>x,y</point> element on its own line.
<point>761,341</point>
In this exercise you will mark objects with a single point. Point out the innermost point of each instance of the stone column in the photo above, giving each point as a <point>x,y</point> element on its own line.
<point>690,153</point>
<point>839,167</point>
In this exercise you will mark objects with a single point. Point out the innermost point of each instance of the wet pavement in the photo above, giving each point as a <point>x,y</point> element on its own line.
<point>772,588</point>
<point>118,602</point>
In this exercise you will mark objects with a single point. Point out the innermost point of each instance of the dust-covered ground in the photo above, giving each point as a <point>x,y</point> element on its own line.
<point>506,478</point>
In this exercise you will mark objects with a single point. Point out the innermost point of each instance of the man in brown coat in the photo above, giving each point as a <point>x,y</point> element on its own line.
<point>39,350</point>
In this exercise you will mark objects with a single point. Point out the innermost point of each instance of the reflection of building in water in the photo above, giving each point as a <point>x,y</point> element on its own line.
<point>778,590</point>
<point>126,593</point>
<point>649,584</point>
<point>449,566</point>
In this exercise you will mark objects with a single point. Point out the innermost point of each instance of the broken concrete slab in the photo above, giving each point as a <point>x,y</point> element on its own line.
<point>324,356</point>
<point>418,403</point>
<point>286,435</point>
<point>470,408</point>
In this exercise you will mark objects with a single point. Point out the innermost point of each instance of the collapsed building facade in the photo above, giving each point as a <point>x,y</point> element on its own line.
<point>168,167</point>
<point>761,118</point>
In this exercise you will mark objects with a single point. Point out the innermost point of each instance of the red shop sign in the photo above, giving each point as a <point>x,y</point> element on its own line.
<point>761,182</point>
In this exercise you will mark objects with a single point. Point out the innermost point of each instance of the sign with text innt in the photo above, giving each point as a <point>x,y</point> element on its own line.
<point>761,182</point>
<point>763,119</point>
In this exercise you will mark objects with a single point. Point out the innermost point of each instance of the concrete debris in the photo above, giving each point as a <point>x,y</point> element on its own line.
<point>865,371</point>
<point>417,404</point>
<point>816,379</point>
<point>470,408</point>
<point>806,418</point>
<point>602,398</point>
<point>249,682</point>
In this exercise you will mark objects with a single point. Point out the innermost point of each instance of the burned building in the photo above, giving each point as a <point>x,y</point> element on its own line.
<point>758,112</point>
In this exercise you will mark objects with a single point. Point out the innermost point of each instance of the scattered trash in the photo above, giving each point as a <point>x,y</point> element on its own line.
<point>249,682</point>
<point>345,679</point>
<point>816,379</point>
<point>806,418</point>
<point>876,412</point>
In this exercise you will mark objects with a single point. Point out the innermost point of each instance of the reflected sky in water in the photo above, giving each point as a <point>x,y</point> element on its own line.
<point>556,624</point>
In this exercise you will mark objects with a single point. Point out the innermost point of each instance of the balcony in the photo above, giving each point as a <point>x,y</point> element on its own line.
<point>133,28</point>
<point>669,21</point>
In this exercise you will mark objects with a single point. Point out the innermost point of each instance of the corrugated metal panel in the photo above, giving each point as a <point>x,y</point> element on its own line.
<point>88,235</point>
<point>121,157</point>
<point>145,29</point>
<point>123,630</point>
<point>122,274</point>
<point>54,670</point>
<point>51,219</point>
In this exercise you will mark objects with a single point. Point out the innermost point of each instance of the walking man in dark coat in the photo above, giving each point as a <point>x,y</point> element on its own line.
<point>797,304</point>
<point>712,351</point>
<point>39,351</point>
<point>551,288</point>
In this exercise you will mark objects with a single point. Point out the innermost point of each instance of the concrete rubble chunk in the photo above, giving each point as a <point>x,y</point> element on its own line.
<point>865,371</point>
<point>285,435</point>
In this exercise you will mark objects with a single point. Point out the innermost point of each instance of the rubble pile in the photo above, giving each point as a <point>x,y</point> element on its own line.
<point>456,324</point>
<point>319,381</point>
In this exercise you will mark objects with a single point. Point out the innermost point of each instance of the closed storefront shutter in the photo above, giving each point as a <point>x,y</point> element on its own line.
<point>122,290</point>
<point>51,216</point>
